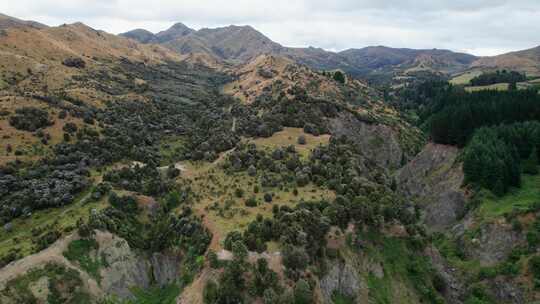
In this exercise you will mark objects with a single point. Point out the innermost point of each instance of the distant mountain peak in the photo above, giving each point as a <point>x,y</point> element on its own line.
<point>176,31</point>
<point>140,35</point>
<point>9,22</point>
<point>179,25</point>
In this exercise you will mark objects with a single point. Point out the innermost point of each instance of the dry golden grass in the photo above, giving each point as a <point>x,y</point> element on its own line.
<point>31,63</point>
<point>511,61</point>
<point>497,86</point>
<point>283,74</point>
<point>221,187</point>
<point>289,136</point>
<point>213,185</point>
<point>27,141</point>
<point>465,78</point>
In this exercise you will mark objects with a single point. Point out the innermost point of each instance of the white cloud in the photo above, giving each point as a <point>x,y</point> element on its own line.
<point>483,27</point>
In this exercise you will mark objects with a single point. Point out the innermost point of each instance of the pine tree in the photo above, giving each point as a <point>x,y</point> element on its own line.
<point>339,77</point>
<point>498,188</point>
<point>530,166</point>
<point>302,292</point>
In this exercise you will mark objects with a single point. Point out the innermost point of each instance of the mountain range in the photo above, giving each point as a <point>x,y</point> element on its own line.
<point>8,22</point>
<point>218,166</point>
<point>239,44</point>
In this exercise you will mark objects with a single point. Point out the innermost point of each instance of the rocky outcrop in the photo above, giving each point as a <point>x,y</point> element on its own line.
<point>165,267</point>
<point>341,278</point>
<point>378,142</point>
<point>125,269</point>
<point>122,268</point>
<point>434,180</point>
<point>53,254</point>
<point>454,290</point>
<point>503,290</point>
<point>493,243</point>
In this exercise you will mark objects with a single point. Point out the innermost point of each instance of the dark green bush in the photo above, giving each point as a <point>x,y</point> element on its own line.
<point>30,119</point>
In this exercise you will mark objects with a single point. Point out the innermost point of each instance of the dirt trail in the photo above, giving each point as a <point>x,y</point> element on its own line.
<point>216,235</point>
<point>222,156</point>
<point>192,294</point>
<point>51,254</point>
<point>233,128</point>
<point>178,166</point>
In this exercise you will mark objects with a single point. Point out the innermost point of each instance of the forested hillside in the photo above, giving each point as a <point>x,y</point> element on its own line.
<point>130,173</point>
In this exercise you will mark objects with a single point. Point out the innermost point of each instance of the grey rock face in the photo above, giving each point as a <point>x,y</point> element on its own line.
<point>378,142</point>
<point>165,267</point>
<point>505,291</point>
<point>494,243</point>
<point>434,180</point>
<point>341,278</point>
<point>8,227</point>
<point>454,290</point>
<point>125,269</point>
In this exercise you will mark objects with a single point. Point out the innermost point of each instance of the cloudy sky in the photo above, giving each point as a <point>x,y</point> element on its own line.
<point>480,27</point>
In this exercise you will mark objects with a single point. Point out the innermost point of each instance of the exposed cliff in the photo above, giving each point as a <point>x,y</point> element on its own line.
<point>120,268</point>
<point>434,180</point>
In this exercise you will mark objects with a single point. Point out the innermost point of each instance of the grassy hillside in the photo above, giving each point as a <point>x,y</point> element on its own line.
<point>496,87</point>
<point>517,200</point>
<point>253,180</point>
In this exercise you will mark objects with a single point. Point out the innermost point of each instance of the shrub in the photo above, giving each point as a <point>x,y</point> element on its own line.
<point>231,237</point>
<point>238,192</point>
<point>79,250</point>
<point>74,62</point>
<point>30,119</point>
<point>62,114</point>
<point>268,197</point>
<point>530,166</point>
<point>213,259</point>
<point>252,171</point>
<point>251,202</point>
<point>339,77</point>
<point>270,296</point>
<point>534,266</point>
<point>295,258</point>
<point>124,203</point>
<point>302,292</point>
<point>210,293</point>
<point>70,127</point>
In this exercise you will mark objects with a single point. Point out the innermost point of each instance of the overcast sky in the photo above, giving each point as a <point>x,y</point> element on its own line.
<point>480,27</point>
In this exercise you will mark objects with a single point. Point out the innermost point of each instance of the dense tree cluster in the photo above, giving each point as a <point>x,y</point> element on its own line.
<point>239,275</point>
<point>164,230</point>
<point>303,112</point>
<point>503,76</point>
<point>30,119</point>
<point>414,98</point>
<point>492,158</point>
<point>181,104</point>
<point>340,166</point>
<point>145,179</point>
<point>365,197</point>
<point>454,117</point>
<point>40,186</point>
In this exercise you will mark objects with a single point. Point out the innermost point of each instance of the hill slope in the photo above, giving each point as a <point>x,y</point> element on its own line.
<point>132,172</point>
<point>9,22</point>
<point>381,57</point>
<point>240,44</point>
<point>526,61</point>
